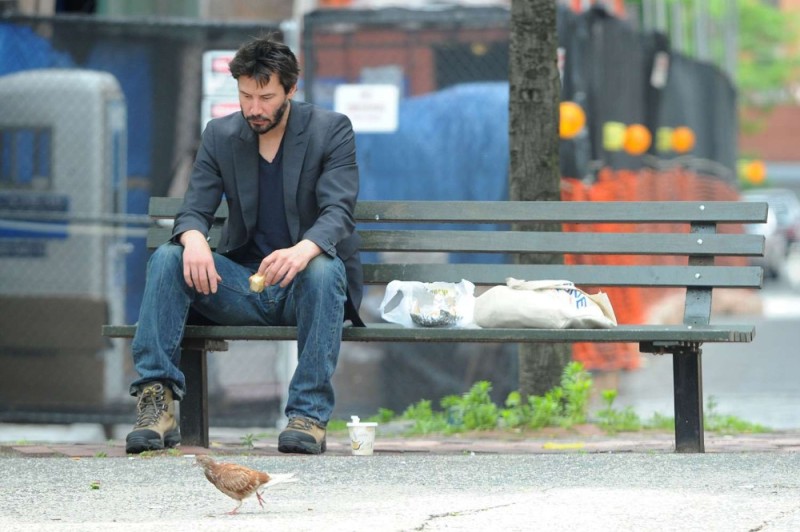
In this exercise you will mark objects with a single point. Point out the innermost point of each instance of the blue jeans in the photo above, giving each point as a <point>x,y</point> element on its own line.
<point>314,302</point>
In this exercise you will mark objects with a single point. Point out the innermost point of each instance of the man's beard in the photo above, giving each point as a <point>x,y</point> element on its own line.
<point>271,124</point>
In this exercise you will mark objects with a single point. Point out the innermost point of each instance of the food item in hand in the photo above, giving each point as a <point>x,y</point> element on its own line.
<point>256,283</point>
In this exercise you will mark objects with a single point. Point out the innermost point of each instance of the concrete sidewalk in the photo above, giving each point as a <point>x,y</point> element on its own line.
<point>493,482</point>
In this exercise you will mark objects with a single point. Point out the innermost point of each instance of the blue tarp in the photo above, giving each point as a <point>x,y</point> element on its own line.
<point>450,145</point>
<point>22,49</point>
<point>130,63</point>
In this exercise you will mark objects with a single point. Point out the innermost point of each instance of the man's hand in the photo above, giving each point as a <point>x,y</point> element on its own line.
<point>198,264</point>
<point>282,265</point>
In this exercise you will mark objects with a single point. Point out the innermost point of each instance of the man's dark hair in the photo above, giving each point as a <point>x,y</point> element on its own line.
<point>263,57</point>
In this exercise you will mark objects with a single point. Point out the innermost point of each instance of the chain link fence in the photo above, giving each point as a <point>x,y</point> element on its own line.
<point>98,114</point>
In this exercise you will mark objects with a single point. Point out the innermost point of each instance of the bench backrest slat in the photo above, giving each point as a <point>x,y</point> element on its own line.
<point>561,211</point>
<point>538,242</point>
<point>586,275</point>
<point>530,211</point>
<point>559,242</point>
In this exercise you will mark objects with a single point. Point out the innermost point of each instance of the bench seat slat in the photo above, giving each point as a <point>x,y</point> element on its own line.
<point>380,332</point>
<point>584,275</point>
<point>532,211</point>
<point>559,242</point>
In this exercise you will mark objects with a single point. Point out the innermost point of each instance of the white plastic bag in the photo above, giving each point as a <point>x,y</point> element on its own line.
<point>543,304</point>
<point>438,304</point>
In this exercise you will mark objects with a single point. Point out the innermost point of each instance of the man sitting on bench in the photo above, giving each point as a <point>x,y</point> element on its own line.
<point>288,173</point>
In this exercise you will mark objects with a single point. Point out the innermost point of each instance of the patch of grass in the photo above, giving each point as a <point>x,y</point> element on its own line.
<point>563,406</point>
<point>337,425</point>
<point>154,454</point>
<point>660,422</point>
<point>612,420</point>
<point>384,415</point>
<point>713,421</point>
<point>472,411</point>
<point>148,454</point>
<point>249,440</point>
<point>426,421</point>
<point>728,424</point>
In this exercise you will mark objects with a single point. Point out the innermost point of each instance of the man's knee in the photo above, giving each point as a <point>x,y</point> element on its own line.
<point>326,270</point>
<point>166,256</point>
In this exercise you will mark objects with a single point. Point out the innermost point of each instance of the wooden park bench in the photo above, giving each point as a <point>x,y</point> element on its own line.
<point>689,231</point>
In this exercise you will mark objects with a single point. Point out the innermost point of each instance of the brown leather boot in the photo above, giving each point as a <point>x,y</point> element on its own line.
<point>156,426</point>
<point>302,435</point>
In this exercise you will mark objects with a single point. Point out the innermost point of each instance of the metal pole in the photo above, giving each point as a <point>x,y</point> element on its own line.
<point>308,62</point>
<point>731,39</point>
<point>299,10</point>
<point>661,16</point>
<point>647,15</point>
<point>677,29</point>
<point>701,30</point>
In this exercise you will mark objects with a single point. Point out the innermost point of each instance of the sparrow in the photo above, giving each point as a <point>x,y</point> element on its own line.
<point>239,482</point>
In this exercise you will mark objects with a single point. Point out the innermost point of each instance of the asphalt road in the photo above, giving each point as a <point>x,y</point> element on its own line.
<point>571,491</point>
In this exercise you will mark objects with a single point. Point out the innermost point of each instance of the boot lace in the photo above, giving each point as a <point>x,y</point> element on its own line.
<point>300,423</point>
<point>150,406</point>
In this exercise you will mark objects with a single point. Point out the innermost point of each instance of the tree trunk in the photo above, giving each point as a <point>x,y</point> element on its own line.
<point>533,142</point>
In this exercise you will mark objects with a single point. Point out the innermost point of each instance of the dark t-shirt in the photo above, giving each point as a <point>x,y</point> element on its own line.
<point>272,231</point>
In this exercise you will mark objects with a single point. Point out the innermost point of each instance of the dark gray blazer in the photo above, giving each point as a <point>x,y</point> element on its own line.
<point>320,184</point>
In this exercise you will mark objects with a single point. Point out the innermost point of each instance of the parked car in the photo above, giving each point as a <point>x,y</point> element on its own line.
<point>786,206</point>
<point>776,235</point>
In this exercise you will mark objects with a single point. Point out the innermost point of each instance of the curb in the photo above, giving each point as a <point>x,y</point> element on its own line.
<point>339,445</point>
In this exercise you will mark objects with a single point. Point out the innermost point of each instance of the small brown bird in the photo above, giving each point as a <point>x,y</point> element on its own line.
<point>239,482</point>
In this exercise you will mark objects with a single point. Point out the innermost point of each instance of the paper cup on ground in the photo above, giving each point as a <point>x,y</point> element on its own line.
<point>362,436</point>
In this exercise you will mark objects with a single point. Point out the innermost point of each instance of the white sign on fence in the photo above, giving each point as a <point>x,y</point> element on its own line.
<point>371,108</point>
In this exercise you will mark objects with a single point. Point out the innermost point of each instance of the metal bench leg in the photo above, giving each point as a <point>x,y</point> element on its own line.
<point>194,406</point>
<point>687,381</point>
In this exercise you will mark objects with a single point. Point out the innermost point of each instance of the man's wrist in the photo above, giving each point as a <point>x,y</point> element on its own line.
<point>184,237</point>
<point>311,246</point>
